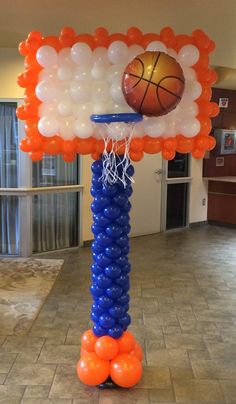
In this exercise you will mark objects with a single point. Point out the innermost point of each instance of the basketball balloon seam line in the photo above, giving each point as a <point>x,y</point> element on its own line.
<point>146,90</point>
<point>156,84</point>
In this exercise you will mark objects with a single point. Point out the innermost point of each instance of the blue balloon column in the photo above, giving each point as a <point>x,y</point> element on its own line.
<point>110,249</point>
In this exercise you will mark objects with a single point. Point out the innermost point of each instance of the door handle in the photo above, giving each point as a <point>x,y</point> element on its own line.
<point>159,171</point>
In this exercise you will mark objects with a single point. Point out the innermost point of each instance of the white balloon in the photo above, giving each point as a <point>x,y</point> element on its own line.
<point>154,126</point>
<point>157,46</point>
<point>114,108</point>
<point>48,74</point>
<point>188,108</point>
<point>189,127</point>
<point>100,91</point>
<point>46,91</point>
<point>81,54</point>
<point>188,55</point>
<point>98,72</point>
<point>64,58</point>
<point>83,109</point>
<point>100,57</point>
<point>135,50</point>
<point>118,52</point>
<point>83,128</point>
<point>49,108</point>
<point>117,94</point>
<point>189,73</point>
<point>64,73</point>
<point>118,130</point>
<point>115,73</point>
<point>138,130</point>
<point>66,128</point>
<point>171,129</point>
<point>192,90</point>
<point>48,125</point>
<point>100,131</point>
<point>100,108</point>
<point>171,52</point>
<point>80,91</point>
<point>46,56</point>
<point>81,73</point>
<point>65,108</point>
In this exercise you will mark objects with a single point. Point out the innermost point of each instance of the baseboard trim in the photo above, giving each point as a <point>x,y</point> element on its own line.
<point>221,224</point>
<point>198,224</point>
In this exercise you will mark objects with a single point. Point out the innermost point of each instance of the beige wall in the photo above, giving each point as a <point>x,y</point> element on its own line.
<point>11,64</point>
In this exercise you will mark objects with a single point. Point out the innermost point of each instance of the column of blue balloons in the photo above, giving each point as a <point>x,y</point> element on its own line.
<point>110,249</point>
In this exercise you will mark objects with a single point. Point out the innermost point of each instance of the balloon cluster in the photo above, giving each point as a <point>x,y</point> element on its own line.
<point>105,356</point>
<point>110,248</point>
<point>70,77</point>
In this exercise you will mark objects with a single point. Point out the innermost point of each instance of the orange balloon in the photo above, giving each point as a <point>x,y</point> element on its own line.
<point>137,352</point>
<point>147,38</point>
<point>119,147</point>
<point>136,155</point>
<point>205,107</point>
<point>106,347</point>
<point>134,36</point>
<point>92,370</point>
<point>52,145</point>
<point>201,142</point>
<point>126,370</point>
<point>198,153</point>
<point>118,37</point>
<point>203,60</point>
<point>205,124</point>
<point>168,37</point>
<point>24,145</point>
<point>168,154</point>
<point>22,48</point>
<point>68,146</point>
<point>184,144</point>
<point>152,145</point>
<point>21,112</point>
<point>136,144</point>
<point>84,146</point>
<point>35,143</point>
<point>88,341</point>
<point>31,127</point>
<point>182,40</point>
<point>68,157</point>
<point>126,342</point>
<point>83,352</point>
<point>95,155</point>
<point>36,155</point>
<point>101,37</point>
<point>206,93</point>
<point>53,41</point>
<point>170,143</point>
<point>88,39</point>
<point>215,109</point>
<point>211,143</point>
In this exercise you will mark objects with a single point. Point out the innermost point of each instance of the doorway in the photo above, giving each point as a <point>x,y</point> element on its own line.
<point>176,182</point>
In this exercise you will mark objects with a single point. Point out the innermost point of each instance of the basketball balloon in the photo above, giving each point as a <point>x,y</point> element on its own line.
<point>153,83</point>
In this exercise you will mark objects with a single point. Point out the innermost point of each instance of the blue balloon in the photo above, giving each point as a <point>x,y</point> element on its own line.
<point>100,202</point>
<point>126,268</point>
<point>117,311</point>
<point>126,206</point>
<point>99,331</point>
<point>130,171</point>
<point>103,281</point>
<point>122,280</point>
<point>103,239</point>
<point>93,191</point>
<point>94,317</point>
<point>123,299</point>
<point>113,251</point>
<point>109,190</point>
<point>106,321</point>
<point>96,269</point>
<point>113,271</point>
<point>114,291</point>
<point>125,250</point>
<point>101,220</point>
<point>123,219</point>
<point>126,287</point>
<point>112,212</point>
<point>96,291</point>
<point>125,320</point>
<point>128,191</point>
<point>114,230</point>
<point>96,183</point>
<point>105,302</point>
<point>116,331</point>
<point>120,200</point>
<point>127,228</point>
<point>96,248</point>
<point>97,167</point>
<point>123,241</point>
<point>96,229</point>
<point>126,307</point>
<point>102,260</point>
<point>122,261</point>
<point>96,309</point>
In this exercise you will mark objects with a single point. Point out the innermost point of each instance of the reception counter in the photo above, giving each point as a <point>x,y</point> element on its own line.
<point>222,199</point>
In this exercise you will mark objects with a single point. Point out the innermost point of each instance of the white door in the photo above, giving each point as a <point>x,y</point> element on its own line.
<point>146,198</point>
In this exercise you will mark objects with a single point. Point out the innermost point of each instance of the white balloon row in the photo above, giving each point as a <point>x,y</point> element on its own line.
<point>118,52</point>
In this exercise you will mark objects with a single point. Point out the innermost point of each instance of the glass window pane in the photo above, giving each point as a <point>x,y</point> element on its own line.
<point>55,221</point>
<point>52,171</point>
<point>9,226</point>
<point>179,166</point>
<point>177,197</point>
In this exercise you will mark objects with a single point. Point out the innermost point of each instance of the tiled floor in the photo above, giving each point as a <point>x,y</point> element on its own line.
<point>183,309</point>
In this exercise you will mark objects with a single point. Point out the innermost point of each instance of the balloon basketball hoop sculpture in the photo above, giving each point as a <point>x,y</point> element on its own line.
<point>115,97</point>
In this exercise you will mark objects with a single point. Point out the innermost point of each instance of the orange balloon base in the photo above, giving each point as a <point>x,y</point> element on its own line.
<point>104,357</point>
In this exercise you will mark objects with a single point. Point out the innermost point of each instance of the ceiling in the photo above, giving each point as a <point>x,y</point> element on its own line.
<point>216,17</point>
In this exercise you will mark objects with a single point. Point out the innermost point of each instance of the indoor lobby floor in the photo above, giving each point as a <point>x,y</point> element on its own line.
<point>183,308</point>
